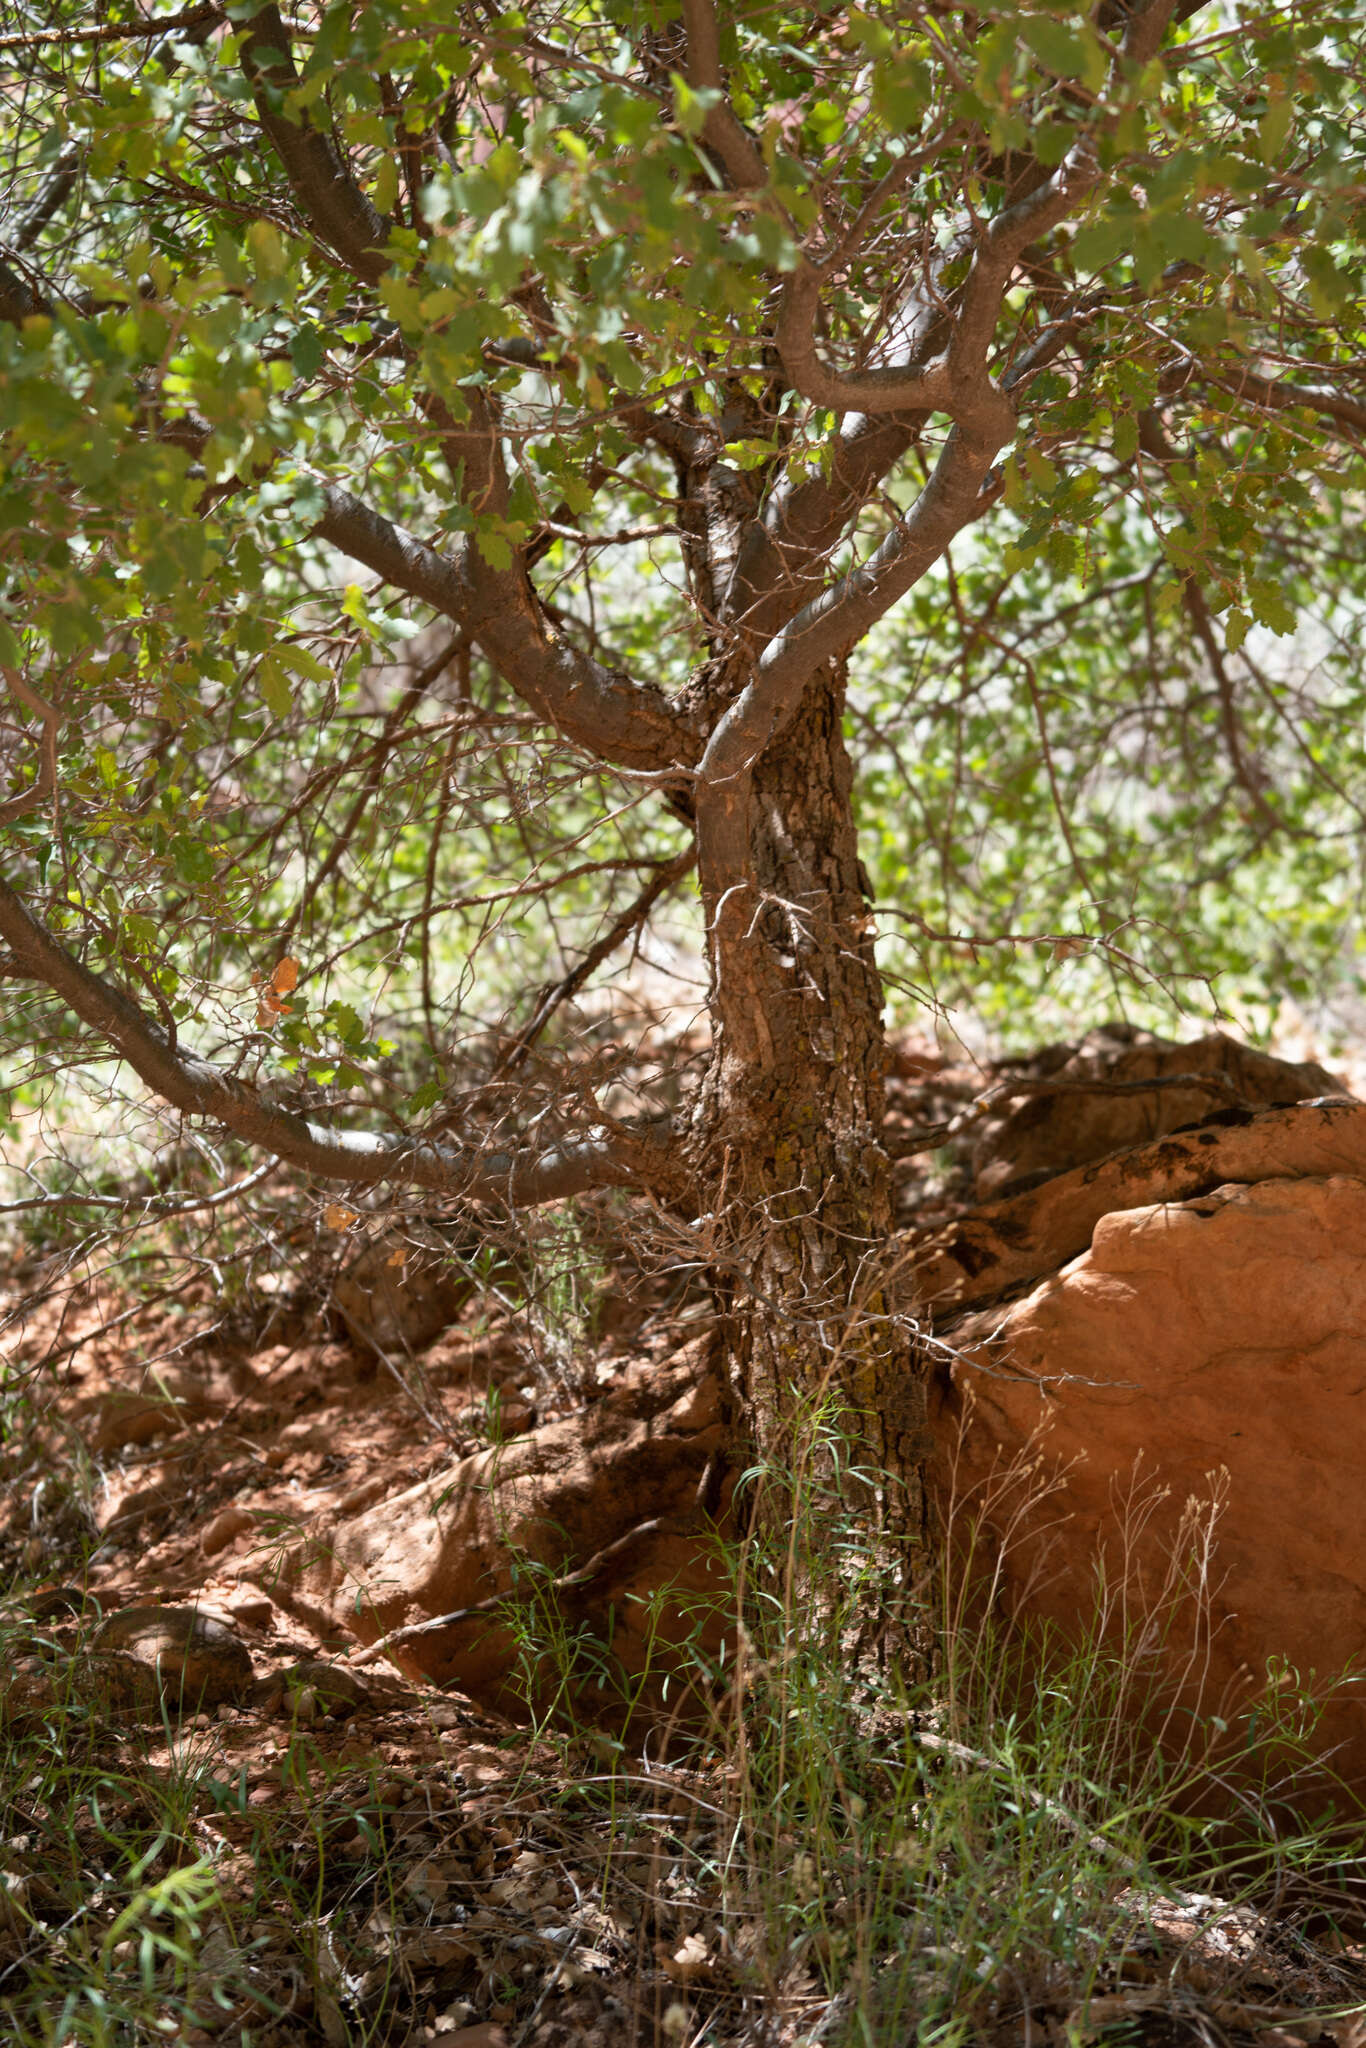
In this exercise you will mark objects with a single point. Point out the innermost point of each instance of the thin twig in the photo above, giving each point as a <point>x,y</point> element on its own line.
<point>29,799</point>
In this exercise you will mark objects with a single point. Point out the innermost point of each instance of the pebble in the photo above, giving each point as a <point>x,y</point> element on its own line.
<point>227,1525</point>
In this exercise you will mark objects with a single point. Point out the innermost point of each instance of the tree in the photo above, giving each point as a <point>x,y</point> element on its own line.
<point>659,352</point>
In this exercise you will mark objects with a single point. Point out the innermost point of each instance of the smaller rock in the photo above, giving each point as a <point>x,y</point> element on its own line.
<point>267,1697</point>
<point>398,1298</point>
<point>15,1913</point>
<point>327,1688</point>
<point>515,1413</point>
<point>146,1656</point>
<point>227,1525</point>
<point>123,1515</point>
<point>135,1415</point>
<point>250,1608</point>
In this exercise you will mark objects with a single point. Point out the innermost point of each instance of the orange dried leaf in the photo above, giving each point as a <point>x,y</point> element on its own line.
<point>286,976</point>
<point>338,1217</point>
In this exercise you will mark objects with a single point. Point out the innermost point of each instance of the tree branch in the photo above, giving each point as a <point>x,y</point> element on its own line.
<point>29,224</point>
<point>620,721</point>
<point>902,388</point>
<point>151,1208</point>
<point>333,204</point>
<point>608,1156</point>
<point>113,31</point>
<point>843,613</point>
<point>622,927</point>
<point>888,405</point>
<point>1277,394</point>
<point>722,130</point>
<point>29,799</point>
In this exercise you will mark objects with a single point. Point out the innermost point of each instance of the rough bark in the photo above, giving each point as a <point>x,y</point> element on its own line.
<point>789,1122</point>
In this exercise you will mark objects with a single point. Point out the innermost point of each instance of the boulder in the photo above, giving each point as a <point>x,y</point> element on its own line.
<point>1119,1088</point>
<point>1000,1246</point>
<point>1213,1348</point>
<point>609,1507</point>
<point>144,1657</point>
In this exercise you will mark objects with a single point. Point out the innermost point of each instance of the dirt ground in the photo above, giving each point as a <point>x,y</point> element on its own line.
<point>391,1862</point>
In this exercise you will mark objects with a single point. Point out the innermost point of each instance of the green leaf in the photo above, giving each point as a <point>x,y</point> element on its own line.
<point>1068,52</point>
<point>277,689</point>
<point>1101,242</point>
<point>1237,624</point>
<point>691,108</point>
<point>346,1023</point>
<point>302,662</point>
<point>307,349</point>
<point>1273,130</point>
<point>193,861</point>
<point>1269,606</point>
<point>494,548</point>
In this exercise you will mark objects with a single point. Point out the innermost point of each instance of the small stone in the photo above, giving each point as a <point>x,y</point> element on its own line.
<point>250,1608</point>
<point>227,1525</point>
<point>128,1417</point>
<point>55,1603</point>
<point>267,1697</point>
<point>331,1688</point>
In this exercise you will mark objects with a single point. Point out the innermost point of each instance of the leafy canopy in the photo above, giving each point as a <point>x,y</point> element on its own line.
<point>317,331</point>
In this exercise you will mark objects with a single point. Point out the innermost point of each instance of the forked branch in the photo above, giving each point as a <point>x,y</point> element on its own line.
<point>620,721</point>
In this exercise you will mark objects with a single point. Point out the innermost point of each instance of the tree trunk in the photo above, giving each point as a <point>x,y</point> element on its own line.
<point>790,1120</point>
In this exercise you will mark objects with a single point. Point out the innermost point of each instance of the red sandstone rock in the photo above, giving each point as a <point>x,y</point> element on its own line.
<point>619,1483</point>
<point>1093,1101</point>
<point>1223,1333</point>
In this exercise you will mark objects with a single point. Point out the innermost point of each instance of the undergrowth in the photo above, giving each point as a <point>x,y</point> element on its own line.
<point>804,1834</point>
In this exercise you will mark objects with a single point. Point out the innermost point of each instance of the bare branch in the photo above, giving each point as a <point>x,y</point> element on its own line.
<point>150,1208</point>
<point>61,176</point>
<point>898,389</point>
<point>1000,250</point>
<point>622,928</point>
<point>607,1156</point>
<point>114,31</point>
<point>1278,394</point>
